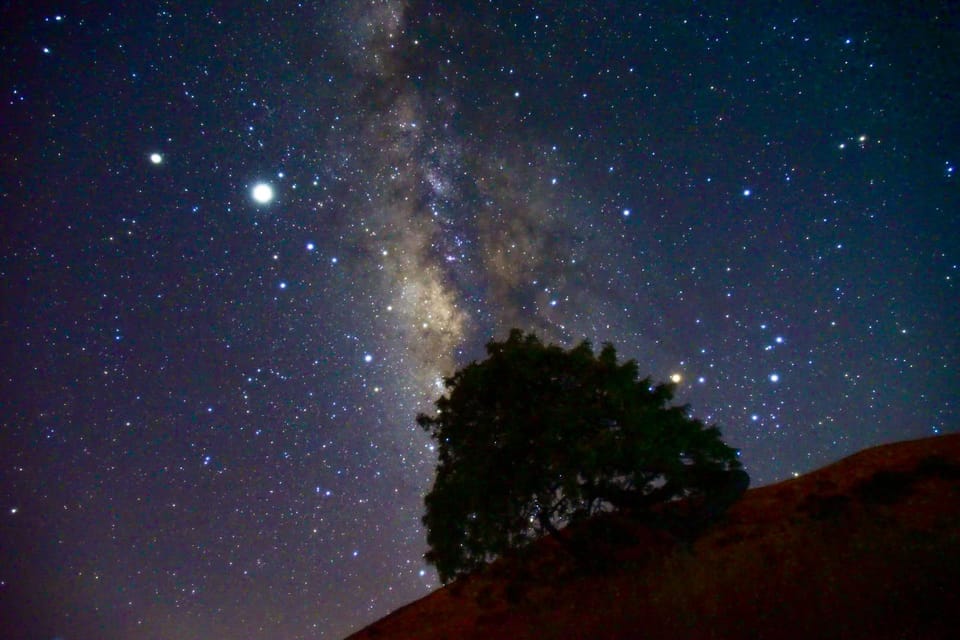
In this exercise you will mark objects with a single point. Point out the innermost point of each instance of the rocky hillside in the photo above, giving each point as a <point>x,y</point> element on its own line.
<point>868,547</point>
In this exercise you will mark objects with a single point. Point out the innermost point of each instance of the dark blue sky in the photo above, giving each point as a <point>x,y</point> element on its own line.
<point>208,402</point>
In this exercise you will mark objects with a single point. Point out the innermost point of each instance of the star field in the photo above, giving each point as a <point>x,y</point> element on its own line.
<point>242,245</point>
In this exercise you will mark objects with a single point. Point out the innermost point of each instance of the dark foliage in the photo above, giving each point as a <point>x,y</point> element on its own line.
<point>889,487</point>
<point>535,437</point>
<point>938,467</point>
<point>886,487</point>
<point>826,508</point>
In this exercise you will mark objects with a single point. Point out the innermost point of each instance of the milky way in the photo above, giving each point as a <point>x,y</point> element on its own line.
<point>403,160</point>
<point>210,389</point>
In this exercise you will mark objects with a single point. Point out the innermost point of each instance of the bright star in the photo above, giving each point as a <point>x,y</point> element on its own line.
<point>774,377</point>
<point>262,193</point>
<point>156,158</point>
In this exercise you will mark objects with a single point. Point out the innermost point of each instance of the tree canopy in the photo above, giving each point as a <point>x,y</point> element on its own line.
<point>535,436</point>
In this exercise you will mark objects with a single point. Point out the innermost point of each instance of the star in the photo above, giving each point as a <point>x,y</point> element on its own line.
<point>156,158</point>
<point>262,193</point>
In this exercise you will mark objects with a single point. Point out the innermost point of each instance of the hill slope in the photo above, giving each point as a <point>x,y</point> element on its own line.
<point>868,547</point>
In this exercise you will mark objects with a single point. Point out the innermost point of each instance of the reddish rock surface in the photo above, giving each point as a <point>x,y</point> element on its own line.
<point>868,547</point>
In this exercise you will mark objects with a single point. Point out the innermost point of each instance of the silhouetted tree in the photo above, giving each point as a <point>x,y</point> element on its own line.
<point>535,437</point>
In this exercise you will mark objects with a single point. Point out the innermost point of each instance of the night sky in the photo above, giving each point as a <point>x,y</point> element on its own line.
<point>242,245</point>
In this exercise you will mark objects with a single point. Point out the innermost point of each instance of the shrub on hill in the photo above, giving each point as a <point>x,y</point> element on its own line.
<point>535,437</point>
